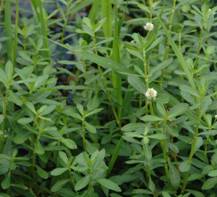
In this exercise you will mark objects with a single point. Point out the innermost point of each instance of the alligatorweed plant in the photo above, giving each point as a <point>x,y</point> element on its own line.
<point>108,98</point>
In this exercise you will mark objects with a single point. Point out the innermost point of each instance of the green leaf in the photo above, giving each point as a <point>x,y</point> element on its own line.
<point>156,71</point>
<point>87,26</point>
<point>1,118</point>
<point>184,166</point>
<point>115,154</point>
<point>4,195</point>
<point>214,158</point>
<point>63,157</point>
<point>82,183</point>
<point>99,24</point>
<point>73,114</point>
<point>40,81</point>
<point>196,193</point>
<point>31,107</point>
<point>15,98</point>
<point>42,173</point>
<point>59,185</point>
<point>109,184</point>
<point>165,194</point>
<point>159,136</point>
<point>183,63</point>
<point>90,127</point>
<point>133,127</point>
<point>198,144</point>
<point>3,78</point>
<point>69,143</point>
<point>137,83</point>
<point>174,176</point>
<point>39,148</point>
<point>4,165</point>
<point>58,171</point>
<point>151,185</point>
<point>95,111</point>
<point>151,118</point>
<point>177,110</point>
<point>9,71</point>
<point>212,173</point>
<point>21,136</point>
<point>161,109</point>
<point>98,158</point>
<point>25,121</point>
<point>45,110</point>
<point>76,116</point>
<point>206,102</point>
<point>25,57</point>
<point>105,62</point>
<point>80,109</point>
<point>6,182</point>
<point>209,183</point>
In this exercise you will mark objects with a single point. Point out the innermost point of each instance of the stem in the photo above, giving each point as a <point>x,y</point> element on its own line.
<point>116,116</point>
<point>114,156</point>
<point>151,10</point>
<point>196,133</point>
<point>8,28</point>
<point>172,14</point>
<point>151,108</point>
<point>185,181</point>
<point>94,44</point>
<point>164,146</point>
<point>16,33</point>
<point>170,27</point>
<point>4,106</point>
<point>38,6</point>
<point>199,47</point>
<point>83,133</point>
<point>146,69</point>
<point>116,78</point>
<point>193,145</point>
<point>106,12</point>
<point>65,19</point>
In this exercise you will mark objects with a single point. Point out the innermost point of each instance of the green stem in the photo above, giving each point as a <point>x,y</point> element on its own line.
<point>8,28</point>
<point>185,182</point>
<point>106,12</point>
<point>195,136</point>
<point>116,78</point>
<point>114,156</point>
<point>146,70</point>
<point>151,8</point>
<point>151,108</point>
<point>164,145</point>
<point>16,33</point>
<point>172,14</point>
<point>83,133</point>
<point>38,6</point>
<point>4,106</point>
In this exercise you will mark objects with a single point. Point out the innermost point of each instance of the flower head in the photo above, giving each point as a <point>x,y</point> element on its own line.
<point>149,26</point>
<point>151,93</point>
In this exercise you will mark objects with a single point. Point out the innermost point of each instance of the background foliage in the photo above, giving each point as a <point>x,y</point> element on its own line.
<point>74,119</point>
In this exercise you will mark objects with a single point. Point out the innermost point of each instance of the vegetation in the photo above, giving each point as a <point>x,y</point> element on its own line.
<point>108,98</point>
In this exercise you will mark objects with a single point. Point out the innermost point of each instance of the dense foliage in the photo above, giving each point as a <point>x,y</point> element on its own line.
<point>108,98</point>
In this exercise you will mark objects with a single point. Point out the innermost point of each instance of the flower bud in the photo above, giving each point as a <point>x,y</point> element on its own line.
<point>151,93</point>
<point>149,26</point>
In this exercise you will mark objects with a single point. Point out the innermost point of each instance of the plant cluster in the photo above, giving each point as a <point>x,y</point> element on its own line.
<point>108,98</point>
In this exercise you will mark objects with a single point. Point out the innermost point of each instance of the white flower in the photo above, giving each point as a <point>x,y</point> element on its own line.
<point>148,26</point>
<point>151,93</point>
